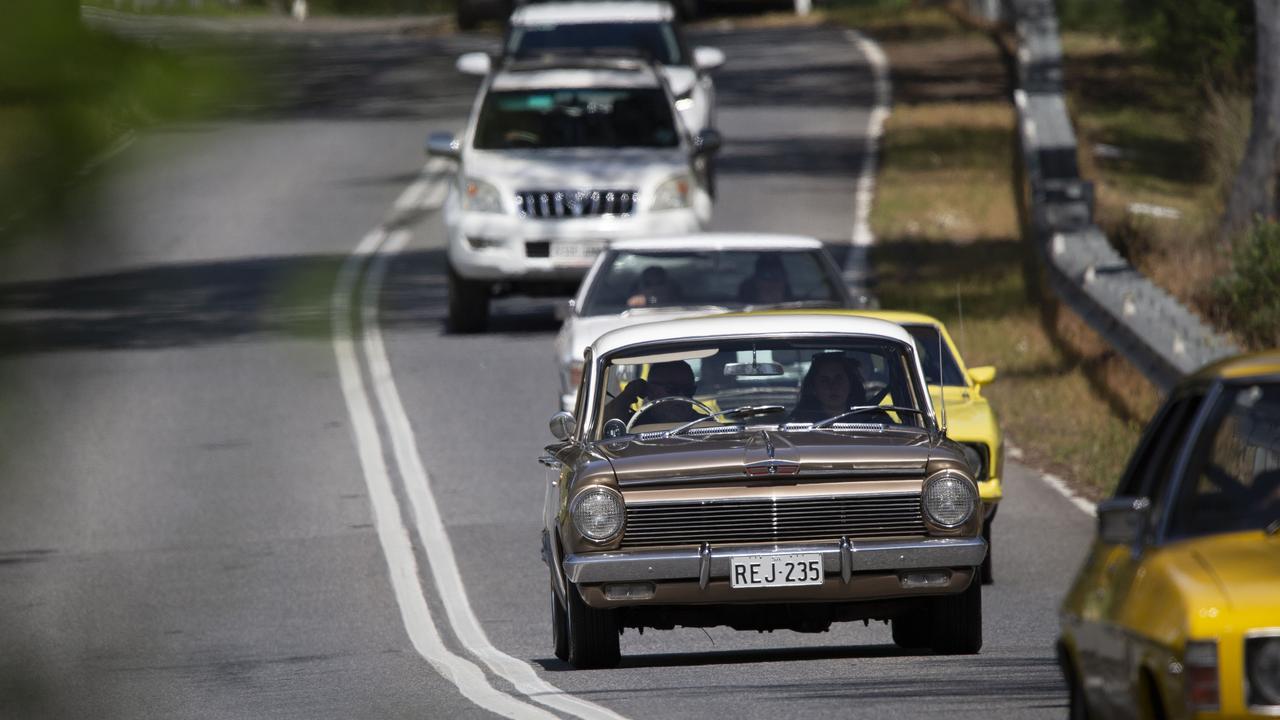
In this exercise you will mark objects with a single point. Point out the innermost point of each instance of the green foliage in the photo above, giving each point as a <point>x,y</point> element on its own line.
<point>1200,40</point>
<point>1250,295</point>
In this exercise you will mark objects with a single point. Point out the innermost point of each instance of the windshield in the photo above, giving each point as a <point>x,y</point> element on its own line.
<point>1233,482</point>
<point>633,281</point>
<point>655,40</point>
<point>946,372</point>
<point>569,118</point>
<point>782,381</point>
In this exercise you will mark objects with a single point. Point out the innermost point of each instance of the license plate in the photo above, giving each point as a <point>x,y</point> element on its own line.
<point>775,570</point>
<point>576,253</point>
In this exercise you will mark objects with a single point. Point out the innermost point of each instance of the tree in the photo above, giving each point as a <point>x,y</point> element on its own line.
<point>1255,191</point>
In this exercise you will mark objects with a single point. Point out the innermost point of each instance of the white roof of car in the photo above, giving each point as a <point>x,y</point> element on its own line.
<point>573,78</point>
<point>747,325</point>
<point>720,241</point>
<point>566,13</point>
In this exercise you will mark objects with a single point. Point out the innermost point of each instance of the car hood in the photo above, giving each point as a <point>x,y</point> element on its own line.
<point>685,460</point>
<point>1239,570</point>
<point>576,168</point>
<point>580,331</point>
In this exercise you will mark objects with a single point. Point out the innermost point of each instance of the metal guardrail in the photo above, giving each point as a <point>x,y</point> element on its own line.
<point>1144,323</point>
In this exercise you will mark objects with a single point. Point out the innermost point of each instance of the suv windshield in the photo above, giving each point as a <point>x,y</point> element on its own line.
<point>632,280</point>
<point>570,118</point>
<point>771,381</point>
<point>1233,482</point>
<point>655,40</point>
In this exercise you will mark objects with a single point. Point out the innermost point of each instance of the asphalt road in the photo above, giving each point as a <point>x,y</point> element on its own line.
<point>245,468</point>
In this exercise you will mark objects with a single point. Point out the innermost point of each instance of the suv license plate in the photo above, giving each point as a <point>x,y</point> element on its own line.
<point>575,253</point>
<point>775,570</point>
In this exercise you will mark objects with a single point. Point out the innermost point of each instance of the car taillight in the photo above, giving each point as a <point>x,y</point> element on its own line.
<point>1201,664</point>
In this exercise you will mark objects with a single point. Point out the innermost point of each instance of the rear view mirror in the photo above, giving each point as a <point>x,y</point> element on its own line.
<point>474,63</point>
<point>1121,520</point>
<point>563,425</point>
<point>753,369</point>
<point>706,59</point>
<point>443,144</point>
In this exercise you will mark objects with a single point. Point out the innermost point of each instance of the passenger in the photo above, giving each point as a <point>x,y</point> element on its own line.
<point>654,288</point>
<point>832,386</point>
<point>668,379</point>
<point>768,285</point>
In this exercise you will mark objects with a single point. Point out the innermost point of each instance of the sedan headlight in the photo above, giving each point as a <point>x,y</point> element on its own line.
<point>673,194</point>
<point>948,499</point>
<point>1262,662</point>
<point>480,196</point>
<point>598,513</point>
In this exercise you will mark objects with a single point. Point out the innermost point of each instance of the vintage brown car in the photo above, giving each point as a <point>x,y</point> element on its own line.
<point>762,475</point>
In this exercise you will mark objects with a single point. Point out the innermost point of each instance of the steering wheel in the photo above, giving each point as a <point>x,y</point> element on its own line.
<point>663,400</point>
<point>520,136</point>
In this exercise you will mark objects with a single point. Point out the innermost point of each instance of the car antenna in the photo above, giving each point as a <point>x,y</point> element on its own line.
<point>964,338</point>
<point>942,388</point>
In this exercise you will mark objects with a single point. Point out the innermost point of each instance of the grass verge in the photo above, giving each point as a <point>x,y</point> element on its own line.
<point>949,244</point>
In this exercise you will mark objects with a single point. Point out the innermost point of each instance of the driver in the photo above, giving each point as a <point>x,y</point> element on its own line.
<point>832,386</point>
<point>667,379</point>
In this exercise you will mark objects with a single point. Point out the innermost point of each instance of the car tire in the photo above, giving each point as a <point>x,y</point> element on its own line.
<point>593,634</point>
<point>957,621</point>
<point>468,304</point>
<point>987,576</point>
<point>559,628</point>
<point>911,631</point>
<point>1077,708</point>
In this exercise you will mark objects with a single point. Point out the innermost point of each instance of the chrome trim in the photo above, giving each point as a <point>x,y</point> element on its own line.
<point>820,473</point>
<point>1256,633</point>
<point>704,565</point>
<point>868,556</point>
<point>575,203</point>
<point>846,559</point>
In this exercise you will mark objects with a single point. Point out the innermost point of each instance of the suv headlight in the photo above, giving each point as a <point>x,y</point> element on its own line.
<point>1262,661</point>
<point>480,196</point>
<point>598,513</point>
<point>948,499</point>
<point>673,194</point>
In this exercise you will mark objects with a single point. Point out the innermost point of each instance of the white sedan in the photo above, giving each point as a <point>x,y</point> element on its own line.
<point>637,281</point>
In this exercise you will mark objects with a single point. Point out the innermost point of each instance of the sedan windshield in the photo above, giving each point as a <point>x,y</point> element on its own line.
<point>654,40</point>
<point>575,118</point>
<point>636,280</point>
<point>940,366</point>
<point>1233,482</point>
<point>826,384</point>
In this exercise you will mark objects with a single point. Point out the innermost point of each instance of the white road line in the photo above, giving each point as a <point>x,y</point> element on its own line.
<point>862,236</point>
<point>429,190</point>
<point>430,525</point>
<point>396,544</point>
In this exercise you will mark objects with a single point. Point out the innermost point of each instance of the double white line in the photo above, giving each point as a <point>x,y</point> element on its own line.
<point>371,394</point>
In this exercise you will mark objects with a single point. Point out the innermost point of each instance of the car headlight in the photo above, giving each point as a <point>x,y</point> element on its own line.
<point>673,193</point>
<point>480,196</point>
<point>976,454</point>
<point>1262,660</point>
<point>598,513</point>
<point>948,499</point>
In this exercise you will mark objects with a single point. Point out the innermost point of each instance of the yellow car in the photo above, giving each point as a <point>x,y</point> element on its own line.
<point>970,419</point>
<point>1176,612</point>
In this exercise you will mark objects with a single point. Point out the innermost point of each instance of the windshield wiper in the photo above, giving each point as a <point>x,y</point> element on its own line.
<point>738,413</point>
<point>857,409</point>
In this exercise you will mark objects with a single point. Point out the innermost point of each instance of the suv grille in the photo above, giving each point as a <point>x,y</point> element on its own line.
<point>773,520</point>
<point>575,203</point>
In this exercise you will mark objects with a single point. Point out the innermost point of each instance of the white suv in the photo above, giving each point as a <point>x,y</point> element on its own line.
<point>559,158</point>
<point>649,29</point>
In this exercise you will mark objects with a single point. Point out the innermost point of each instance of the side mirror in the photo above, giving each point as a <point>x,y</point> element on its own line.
<point>563,425</point>
<point>1121,520</point>
<point>564,310</point>
<point>706,59</point>
<point>707,142</point>
<point>444,145</point>
<point>984,375</point>
<point>474,63</point>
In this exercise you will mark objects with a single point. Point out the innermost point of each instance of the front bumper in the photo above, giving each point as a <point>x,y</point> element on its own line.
<point>842,558</point>
<point>506,254</point>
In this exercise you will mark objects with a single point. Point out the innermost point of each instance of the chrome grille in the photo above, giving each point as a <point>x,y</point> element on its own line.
<point>773,520</point>
<point>574,203</point>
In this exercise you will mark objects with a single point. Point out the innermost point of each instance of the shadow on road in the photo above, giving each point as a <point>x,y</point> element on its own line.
<point>229,301</point>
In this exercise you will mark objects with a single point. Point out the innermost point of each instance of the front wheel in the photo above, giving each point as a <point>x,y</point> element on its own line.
<point>911,631</point>
<point>593,634</point>
<point>957,621</point>
<point>559,628</point>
